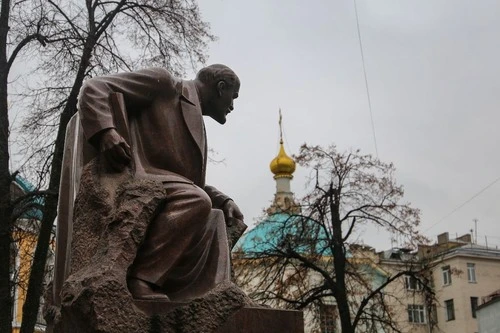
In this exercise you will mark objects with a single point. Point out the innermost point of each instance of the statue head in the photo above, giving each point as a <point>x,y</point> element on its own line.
<point>217,87</point>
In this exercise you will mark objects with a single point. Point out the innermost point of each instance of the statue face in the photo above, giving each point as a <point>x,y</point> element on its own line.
<point>222,104</point>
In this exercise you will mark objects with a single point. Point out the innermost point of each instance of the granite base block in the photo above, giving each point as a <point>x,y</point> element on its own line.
<point>261,320</point>
<point>245,320</point>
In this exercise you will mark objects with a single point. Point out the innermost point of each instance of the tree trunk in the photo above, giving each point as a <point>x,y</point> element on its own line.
<point>6,299</point>
<point>339,262</point>
<point>35,286</point>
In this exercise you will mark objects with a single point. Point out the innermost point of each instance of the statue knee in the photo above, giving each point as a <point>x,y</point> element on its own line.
<point>188,200</point>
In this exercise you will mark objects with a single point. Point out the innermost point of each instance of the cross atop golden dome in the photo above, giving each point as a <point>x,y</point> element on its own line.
<point>283,166</point>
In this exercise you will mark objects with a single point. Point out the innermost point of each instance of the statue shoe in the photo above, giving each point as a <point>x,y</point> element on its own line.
<point>145,291</point>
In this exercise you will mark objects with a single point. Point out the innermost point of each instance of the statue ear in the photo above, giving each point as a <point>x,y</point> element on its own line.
<point>221,85</point>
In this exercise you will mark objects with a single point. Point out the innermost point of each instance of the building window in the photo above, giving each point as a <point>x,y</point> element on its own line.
<point>416,314</point>
<point>411,283</point>
<point>450,310</point>
<point>327,317</point>
<point>446,275</point>
<point>473,306</point>
<point>471,272</point>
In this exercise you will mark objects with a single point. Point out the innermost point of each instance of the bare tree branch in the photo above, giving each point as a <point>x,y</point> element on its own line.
<point>311,258</point>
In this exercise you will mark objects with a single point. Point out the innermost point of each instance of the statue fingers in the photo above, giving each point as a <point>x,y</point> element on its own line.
<point>235,211</point>
<point>117,158</point>
<point>122,155</point>
<point>126,149</point>
<point>110,138</point>
<point>238,215</point>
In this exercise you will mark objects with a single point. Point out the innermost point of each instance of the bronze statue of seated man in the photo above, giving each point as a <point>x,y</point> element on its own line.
<point>162,137</point>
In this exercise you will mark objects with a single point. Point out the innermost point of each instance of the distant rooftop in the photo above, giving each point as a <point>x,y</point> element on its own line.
<point>27,187</point>
<point>272,233</point>
<point>462,245</point>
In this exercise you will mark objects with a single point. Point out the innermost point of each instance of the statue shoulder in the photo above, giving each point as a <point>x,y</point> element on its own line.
<point>168,82</point>
<point>161,75</point>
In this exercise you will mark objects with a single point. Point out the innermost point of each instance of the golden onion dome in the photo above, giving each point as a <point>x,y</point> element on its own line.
<point>282,165</point>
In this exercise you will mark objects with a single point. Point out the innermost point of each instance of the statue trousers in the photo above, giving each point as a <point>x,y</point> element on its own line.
<point>185,249</point>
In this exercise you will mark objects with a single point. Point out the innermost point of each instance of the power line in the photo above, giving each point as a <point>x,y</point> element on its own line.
<point>366,79</point>
<point>463,204</point>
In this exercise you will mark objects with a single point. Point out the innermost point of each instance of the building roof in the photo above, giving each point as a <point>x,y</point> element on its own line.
<point>35,211</point>
<point>477,249</point>
<point>279,229</point>
<point>488,300</point>
<point>270,236</point>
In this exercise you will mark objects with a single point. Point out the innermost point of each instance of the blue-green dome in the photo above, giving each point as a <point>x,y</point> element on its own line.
<point>34,212</point>
<point>273,235</point>
<point>281,230</point>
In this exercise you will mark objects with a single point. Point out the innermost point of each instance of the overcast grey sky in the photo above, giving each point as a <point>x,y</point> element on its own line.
<point>433,75</point>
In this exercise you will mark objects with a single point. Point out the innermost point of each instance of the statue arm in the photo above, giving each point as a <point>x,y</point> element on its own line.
<point>138,88</point>
<point>235,226</point>
<point>218,198</point>
<point>222,201</point>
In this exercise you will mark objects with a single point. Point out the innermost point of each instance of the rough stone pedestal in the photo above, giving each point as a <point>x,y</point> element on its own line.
<point>261,320</point>
<point>248,319</point>
<point>111,218</point>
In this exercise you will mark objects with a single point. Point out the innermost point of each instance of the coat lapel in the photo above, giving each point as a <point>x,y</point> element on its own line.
<point>192,115</point>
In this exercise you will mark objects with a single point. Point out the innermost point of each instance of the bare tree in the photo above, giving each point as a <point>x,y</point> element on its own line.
<point>312,257</point>
<point>22,26</point>
<point>76,39</point>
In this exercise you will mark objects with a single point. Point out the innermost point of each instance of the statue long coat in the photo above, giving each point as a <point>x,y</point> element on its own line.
<point>163,124</point>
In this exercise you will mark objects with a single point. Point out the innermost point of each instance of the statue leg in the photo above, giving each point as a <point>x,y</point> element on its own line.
<point>182,244</point>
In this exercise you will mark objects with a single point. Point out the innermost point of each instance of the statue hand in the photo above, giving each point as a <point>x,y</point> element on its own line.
<point>231,210</point>
<point>115,150</point>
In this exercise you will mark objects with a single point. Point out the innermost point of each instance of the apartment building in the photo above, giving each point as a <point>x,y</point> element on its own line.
<point>407,296</point>
<point>460,272</point>
<point>463,273</point>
